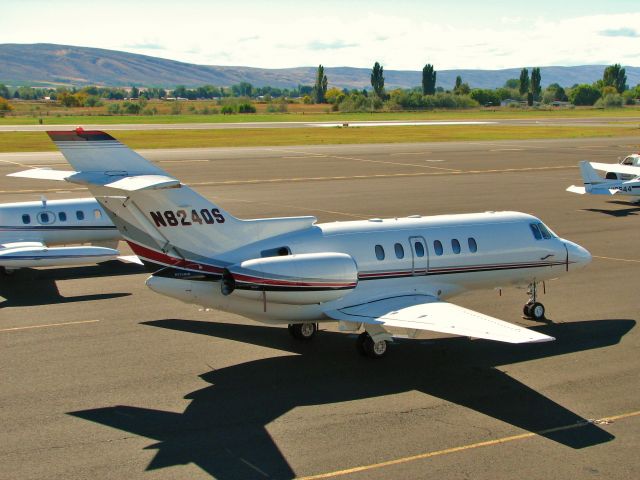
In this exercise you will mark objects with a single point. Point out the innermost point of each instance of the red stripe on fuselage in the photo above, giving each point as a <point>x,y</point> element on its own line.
<point>163,258</point>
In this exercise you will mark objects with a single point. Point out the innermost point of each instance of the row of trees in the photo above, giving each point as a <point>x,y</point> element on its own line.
<point>610,90</point>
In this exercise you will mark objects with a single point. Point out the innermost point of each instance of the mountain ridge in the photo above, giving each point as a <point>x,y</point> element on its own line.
<point>51,65</point>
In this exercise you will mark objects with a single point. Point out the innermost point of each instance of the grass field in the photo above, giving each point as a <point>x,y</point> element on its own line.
<point>39,141</point>
<point>310,113</point>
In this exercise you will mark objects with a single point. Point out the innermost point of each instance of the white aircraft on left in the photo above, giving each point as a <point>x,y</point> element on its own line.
<point>28,229</point>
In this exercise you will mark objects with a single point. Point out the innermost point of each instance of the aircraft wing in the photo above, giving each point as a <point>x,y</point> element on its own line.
<point>424,312</point>
<point>617,168</point>
<point>37,254</point>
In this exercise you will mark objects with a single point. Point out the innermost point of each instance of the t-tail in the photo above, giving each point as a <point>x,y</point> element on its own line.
<point>165,222</point>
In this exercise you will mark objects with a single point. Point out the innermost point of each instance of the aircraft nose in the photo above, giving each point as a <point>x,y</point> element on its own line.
<point>577,256</point>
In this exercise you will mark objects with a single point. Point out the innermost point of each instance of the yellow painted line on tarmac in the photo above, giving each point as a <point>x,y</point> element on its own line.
<point>616,259</point>
<point>182,161</point>
<point>462,448</point>
<point>14,329</point>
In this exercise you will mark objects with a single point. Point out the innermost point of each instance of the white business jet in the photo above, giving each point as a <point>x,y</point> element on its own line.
<point>371,275</point>
<point>597,185</point>
<point>29,229</point>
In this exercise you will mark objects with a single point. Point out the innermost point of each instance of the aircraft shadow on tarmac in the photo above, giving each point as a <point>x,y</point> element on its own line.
<point>223,430</point>
<point>632,209</point>
<point>29,287</point>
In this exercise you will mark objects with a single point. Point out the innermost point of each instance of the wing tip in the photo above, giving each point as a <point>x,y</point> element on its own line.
<point>78,135</point>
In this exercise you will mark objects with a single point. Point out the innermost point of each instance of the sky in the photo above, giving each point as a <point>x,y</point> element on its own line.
<point>400,34</point>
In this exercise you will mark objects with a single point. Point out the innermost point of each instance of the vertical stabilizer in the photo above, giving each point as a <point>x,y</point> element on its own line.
<point>589,174</point>
<point>163,220</point>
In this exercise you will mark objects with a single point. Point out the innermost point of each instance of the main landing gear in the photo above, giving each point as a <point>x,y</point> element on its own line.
<point>303,331</point>
<point>372,344</point>
<point>533,309</point>
<point>368,347</point>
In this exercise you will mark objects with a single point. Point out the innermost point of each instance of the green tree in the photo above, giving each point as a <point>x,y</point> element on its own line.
<point>512,83</point>
<point>584,94</point>
<point>428,80</point>
<point>377,80</point>
<point>320,87</point>
<point>615,76</point>
<point>456,87</point>
<point>485,97</point>
<point>524,81</point>
<point>135,92</point>
<point>536,78</point>
<point>4,91</point>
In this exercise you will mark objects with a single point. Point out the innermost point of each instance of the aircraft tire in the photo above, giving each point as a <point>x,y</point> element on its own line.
<point>534,311</point>
<point>303,331</point>
<point>375,349</point>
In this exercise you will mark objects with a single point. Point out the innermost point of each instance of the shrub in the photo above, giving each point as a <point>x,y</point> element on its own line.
<point>132,108</point>
<point>246,108</point>
<point>114,109</point>
<point>227,110</point>
<point>610,100</point>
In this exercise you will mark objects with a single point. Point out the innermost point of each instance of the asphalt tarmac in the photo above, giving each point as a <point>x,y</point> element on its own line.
<point>102,378</point>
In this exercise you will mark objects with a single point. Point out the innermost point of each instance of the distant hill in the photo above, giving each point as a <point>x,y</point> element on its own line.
<point>49,64</point>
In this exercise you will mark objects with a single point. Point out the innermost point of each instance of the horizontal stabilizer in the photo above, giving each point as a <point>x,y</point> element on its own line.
<point>43,174</point>
<point>32,254</point>
<point>423,312</point>
<point>575,189</point>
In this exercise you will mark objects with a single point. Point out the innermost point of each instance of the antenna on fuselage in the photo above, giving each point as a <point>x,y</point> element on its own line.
<point>43,199</point>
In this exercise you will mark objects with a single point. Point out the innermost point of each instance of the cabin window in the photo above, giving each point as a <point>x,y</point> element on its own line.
<point>45,218</point>
<point>437,247</point>
<point>399,250</point>
<point>419,248</point>
<point>473,246</point>
<point>79,214</point>
<point>379,252</point>
<point>62,216</point>
<point>536,231</point>
<point>455,246</point>
<point>26,219</point>
<point>97,214</point>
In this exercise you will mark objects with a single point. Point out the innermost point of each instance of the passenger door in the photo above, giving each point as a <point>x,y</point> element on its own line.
<point>420,255</point>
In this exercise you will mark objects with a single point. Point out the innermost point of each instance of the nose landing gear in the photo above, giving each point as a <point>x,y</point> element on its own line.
<point>533,309</point>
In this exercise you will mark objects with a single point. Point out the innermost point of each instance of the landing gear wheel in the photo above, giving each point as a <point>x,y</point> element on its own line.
<point>303,331</point>
<point>534,311</point>
<point>375,349</point>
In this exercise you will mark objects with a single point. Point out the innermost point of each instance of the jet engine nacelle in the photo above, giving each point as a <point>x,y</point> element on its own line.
<point>302,279</point>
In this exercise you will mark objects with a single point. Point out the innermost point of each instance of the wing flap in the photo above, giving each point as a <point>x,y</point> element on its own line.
<point>423,312</point>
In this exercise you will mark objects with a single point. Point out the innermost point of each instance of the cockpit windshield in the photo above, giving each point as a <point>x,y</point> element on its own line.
<point>541,231</point>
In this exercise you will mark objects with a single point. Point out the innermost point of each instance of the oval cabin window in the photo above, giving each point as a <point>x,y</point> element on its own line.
<point>473,246</point>
<point>437,247</point>
<point>455,246</point>
<point>399,250</point>
<point>379,252</point>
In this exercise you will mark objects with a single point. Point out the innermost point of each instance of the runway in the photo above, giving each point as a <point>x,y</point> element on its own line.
<point>554,119</point>
<point>102,378</point>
